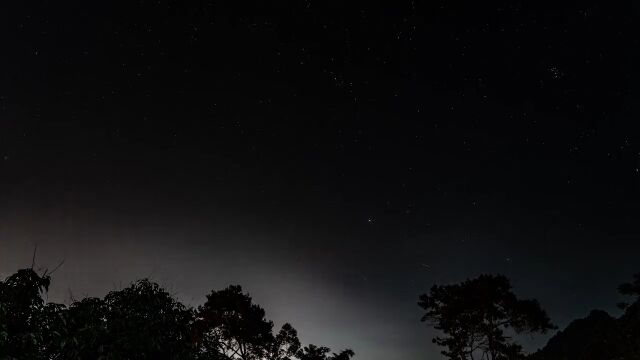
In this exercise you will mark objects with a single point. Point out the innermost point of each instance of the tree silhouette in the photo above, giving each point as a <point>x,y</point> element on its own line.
<point>29,327</point>
<point>87,330</point>
<point>478,316</point>
<point>140,322</point>
<point>313,352</point>
<point>145,322</point>
<point>285,345</point>
<point>230,324</point>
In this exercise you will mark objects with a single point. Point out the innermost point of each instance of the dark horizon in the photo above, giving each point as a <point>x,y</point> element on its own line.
<point>321,154</point>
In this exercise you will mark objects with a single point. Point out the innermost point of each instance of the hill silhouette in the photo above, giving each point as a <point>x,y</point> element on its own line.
<point>595,337</point>
<point>600,336</point>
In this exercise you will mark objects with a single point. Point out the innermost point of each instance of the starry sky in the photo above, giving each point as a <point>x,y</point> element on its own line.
<point>321,153</point>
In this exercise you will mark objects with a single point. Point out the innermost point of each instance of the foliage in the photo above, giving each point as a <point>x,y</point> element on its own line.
<point>29,328</point>
<point>477,316</point>
<point>146,322</point>
<point>140,322</point>
<point>87,333</point>
<point>313,352</point>
<point>230,324</point>
<point>285,345</point>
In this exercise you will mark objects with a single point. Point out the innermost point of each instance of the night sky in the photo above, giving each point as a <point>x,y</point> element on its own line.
<point>335,158</point>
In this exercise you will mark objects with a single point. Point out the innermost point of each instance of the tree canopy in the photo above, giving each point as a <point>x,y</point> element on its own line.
<point>477,318</point>
<point>28,325</point>
<point>141,322</point>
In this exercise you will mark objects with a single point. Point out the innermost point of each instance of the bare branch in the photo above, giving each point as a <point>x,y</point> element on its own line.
<point>33,259</point>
